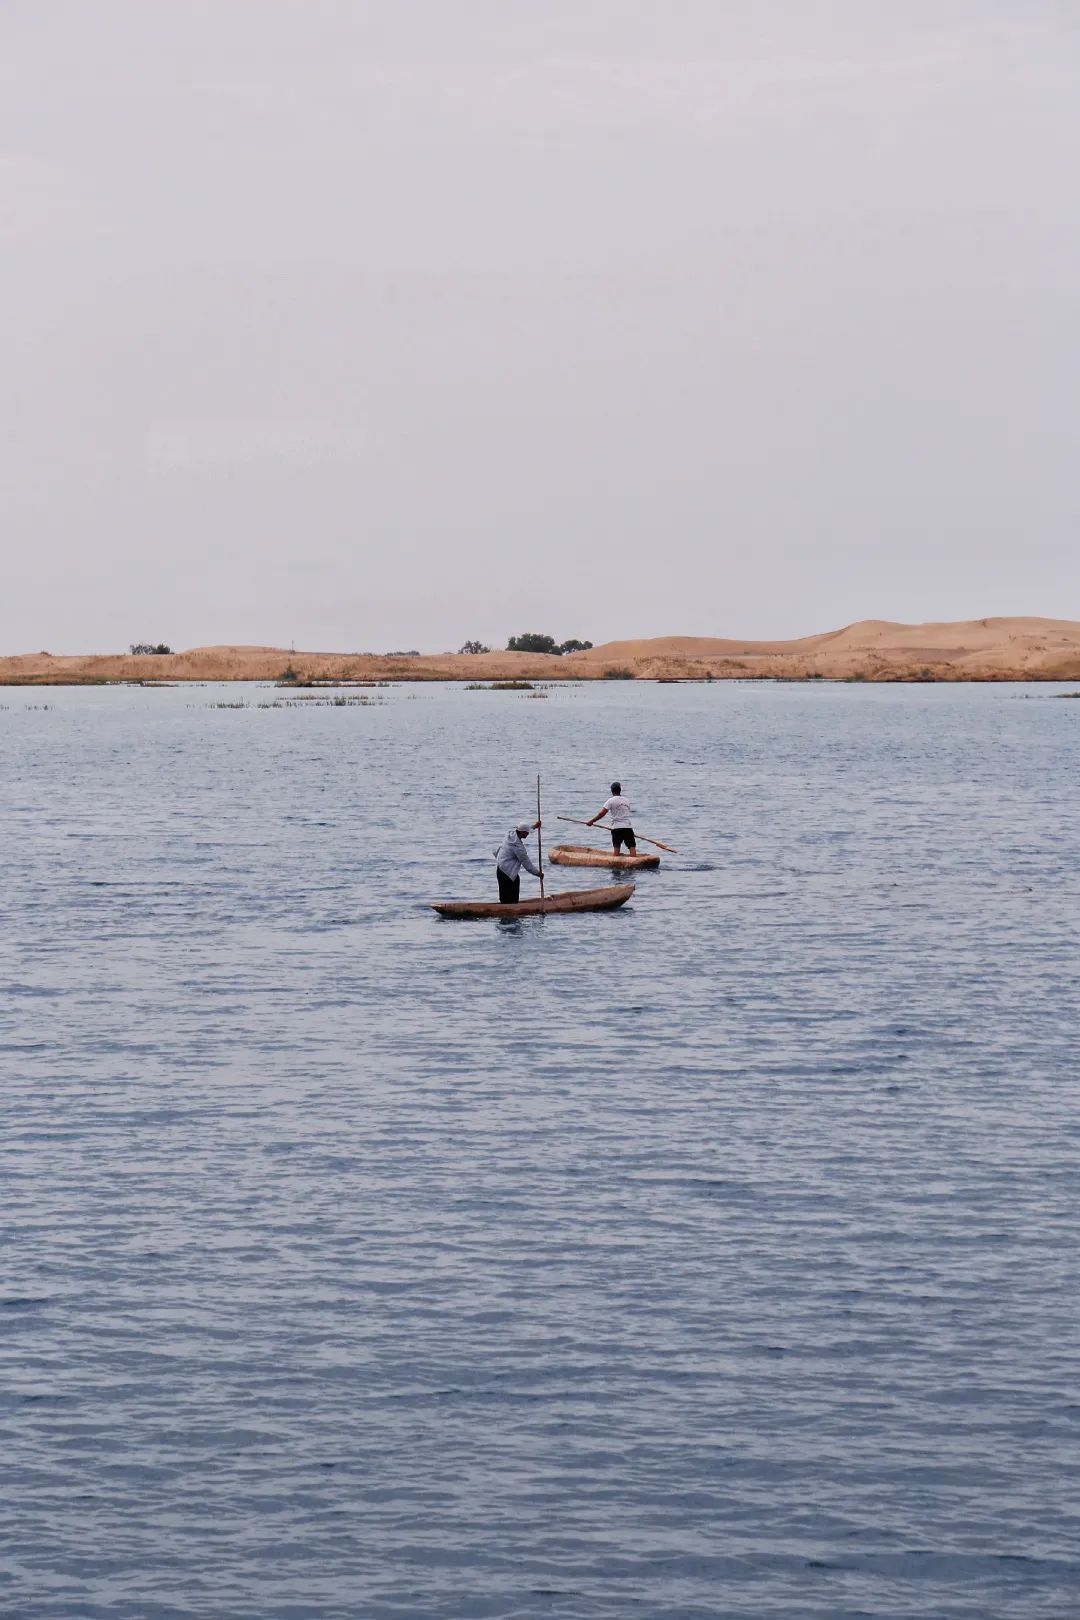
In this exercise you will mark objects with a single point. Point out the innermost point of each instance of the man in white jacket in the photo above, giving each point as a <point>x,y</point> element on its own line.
<point>510,857</point>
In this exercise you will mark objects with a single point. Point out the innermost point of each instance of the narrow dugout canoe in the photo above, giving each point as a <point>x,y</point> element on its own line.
<point>605,899</point>
<point>586,855</point>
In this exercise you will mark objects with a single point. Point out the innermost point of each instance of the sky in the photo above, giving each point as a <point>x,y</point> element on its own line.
<point>367,326</point>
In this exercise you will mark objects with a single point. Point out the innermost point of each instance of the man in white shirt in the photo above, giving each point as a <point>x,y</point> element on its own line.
<point>622,829</point>
<point>510,857</point>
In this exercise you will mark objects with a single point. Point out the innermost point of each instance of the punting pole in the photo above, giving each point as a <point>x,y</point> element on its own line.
<point>579,823</point>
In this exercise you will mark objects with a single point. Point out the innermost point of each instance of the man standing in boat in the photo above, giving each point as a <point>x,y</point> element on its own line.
<point>510,857</point>
<point>621,826</point>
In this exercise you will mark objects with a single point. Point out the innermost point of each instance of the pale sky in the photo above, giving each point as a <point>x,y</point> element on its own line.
<point>378,325</point>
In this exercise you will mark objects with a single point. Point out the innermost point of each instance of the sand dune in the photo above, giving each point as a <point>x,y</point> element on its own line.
<point>695,647</point>
<point>874,649</point>
<point>985,649</point>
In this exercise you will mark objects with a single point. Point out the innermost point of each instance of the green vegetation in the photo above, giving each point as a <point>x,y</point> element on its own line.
<point>139,649</point>
<point>473,647</point>
<point>324,683</point>
<point>499,686</point>
<point>531,641</point>
<point>337,700</point>
<point>618,673</point>
<point>288,674</point>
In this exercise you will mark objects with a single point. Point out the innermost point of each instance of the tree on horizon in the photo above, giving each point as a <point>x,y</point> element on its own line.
<point>532,641</point>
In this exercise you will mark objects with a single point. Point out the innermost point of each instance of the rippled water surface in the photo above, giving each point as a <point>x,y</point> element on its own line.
<point>713,1257</point>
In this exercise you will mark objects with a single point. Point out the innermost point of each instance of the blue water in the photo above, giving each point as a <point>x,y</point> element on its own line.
<point>713,1257</point>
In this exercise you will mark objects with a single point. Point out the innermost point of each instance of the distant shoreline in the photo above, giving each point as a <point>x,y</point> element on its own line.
<point>994,649</point>
<point>899,678</point>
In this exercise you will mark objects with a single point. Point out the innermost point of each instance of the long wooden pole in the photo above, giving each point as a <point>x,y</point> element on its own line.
<point>579,823</point>
<point>539,839</point>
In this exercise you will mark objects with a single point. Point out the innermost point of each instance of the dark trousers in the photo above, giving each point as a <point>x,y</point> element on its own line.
<point>623,835</point>
<point>509,888</point>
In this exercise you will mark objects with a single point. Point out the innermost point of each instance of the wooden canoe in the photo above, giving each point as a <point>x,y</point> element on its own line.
<point>587,855</point>
<point>605,899</point>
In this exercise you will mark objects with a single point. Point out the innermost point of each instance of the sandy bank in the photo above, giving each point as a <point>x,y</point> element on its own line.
<point>873,649</point>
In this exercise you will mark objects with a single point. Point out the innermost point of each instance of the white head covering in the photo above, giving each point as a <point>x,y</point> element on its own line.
<point>523,827</point>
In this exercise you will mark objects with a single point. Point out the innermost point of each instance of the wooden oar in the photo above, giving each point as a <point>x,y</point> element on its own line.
<point>579,823</point>
<point>539,839</point>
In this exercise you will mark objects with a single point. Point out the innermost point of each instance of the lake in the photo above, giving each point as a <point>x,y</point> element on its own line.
<point>717,1256</point>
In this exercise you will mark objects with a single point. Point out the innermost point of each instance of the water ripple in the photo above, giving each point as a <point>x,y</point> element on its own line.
<point>713,1257</point>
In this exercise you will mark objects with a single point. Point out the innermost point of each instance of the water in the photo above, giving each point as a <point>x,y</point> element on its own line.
<point>713,1257</point>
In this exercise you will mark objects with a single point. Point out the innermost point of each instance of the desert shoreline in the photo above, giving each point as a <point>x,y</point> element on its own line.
<point>995,649</point>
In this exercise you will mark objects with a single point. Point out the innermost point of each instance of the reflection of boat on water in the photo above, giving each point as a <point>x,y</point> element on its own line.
<point>604,899</point>
<point>586,855</point>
